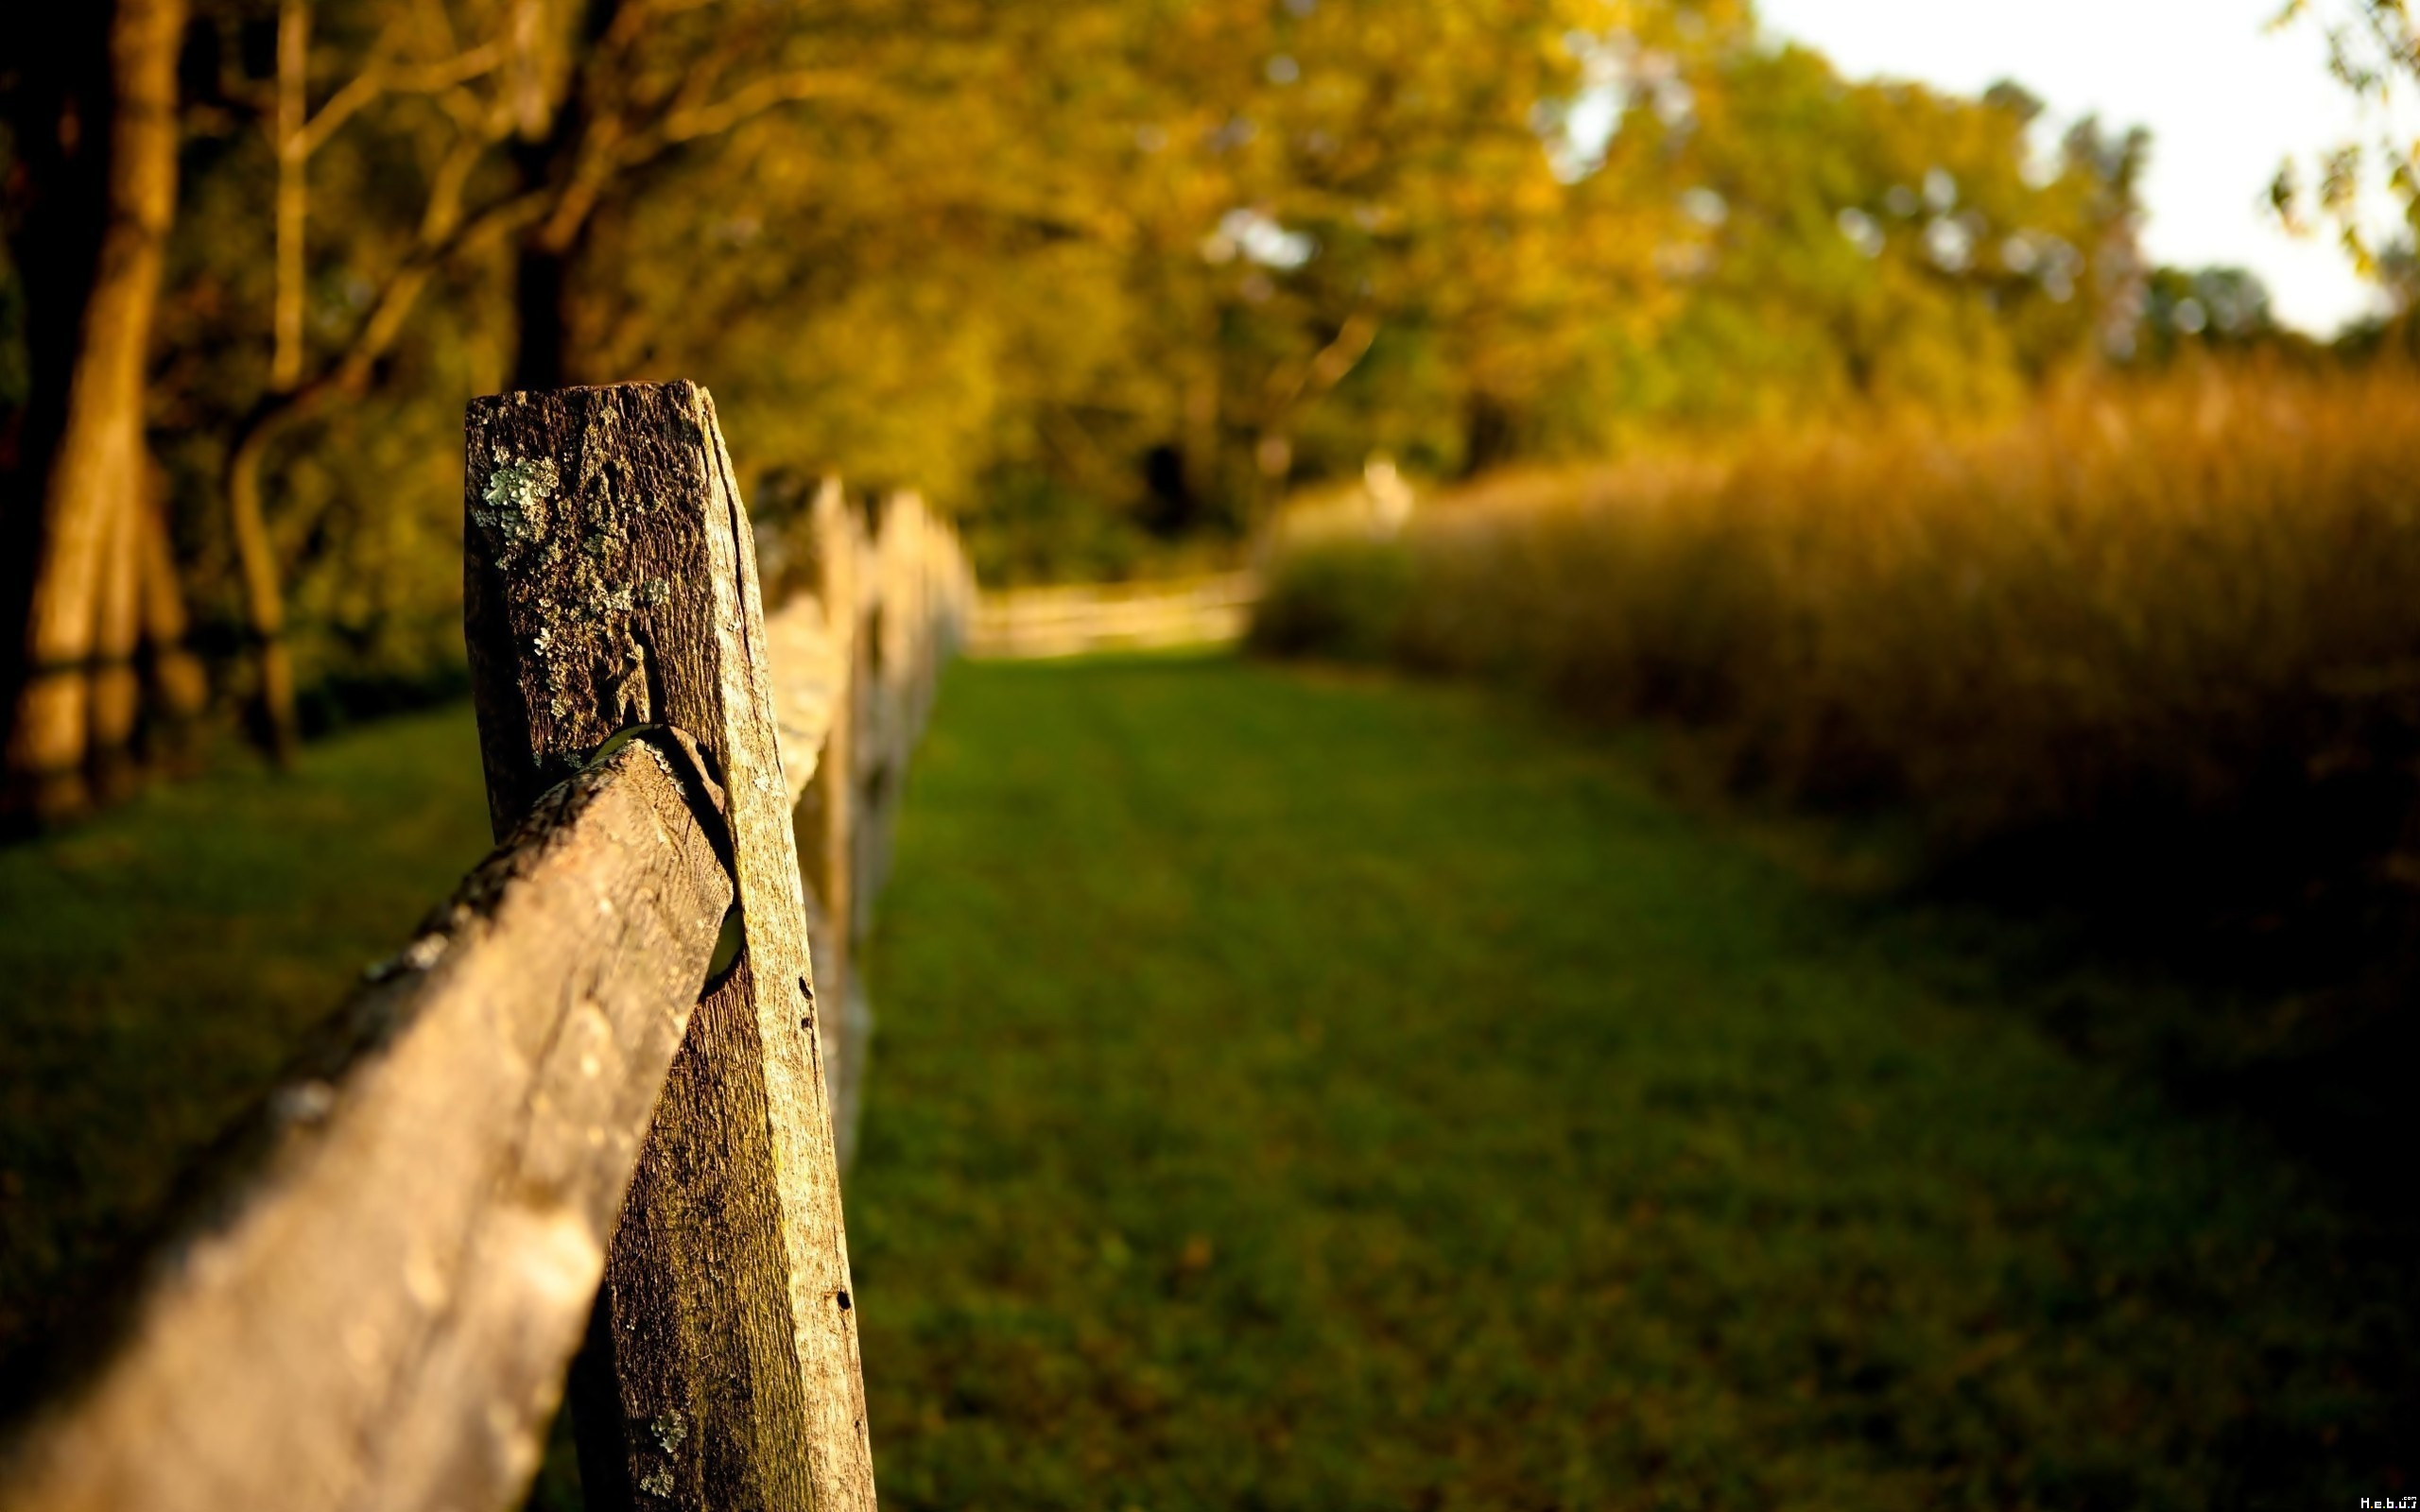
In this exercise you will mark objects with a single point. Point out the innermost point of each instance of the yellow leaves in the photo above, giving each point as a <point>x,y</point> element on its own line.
<point>2373,52</point>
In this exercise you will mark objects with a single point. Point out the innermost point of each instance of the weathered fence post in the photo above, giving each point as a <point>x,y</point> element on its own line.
<point>869,663</point>
<point>609,582</point>
<point>827,816</point>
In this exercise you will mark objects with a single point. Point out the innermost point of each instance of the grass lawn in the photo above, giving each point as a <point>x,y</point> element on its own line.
<point>159,965</point>
<point>1297,1092</point>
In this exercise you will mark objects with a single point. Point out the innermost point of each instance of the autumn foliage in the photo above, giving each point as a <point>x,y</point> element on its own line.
<point>1105,278</point>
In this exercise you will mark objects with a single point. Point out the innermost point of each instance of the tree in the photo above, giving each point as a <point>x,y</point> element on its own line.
<point>1853,244</point>
<point>524,117</point>
<point>1108,274</point>
<point>103,133</point>
<point>2374,51</point>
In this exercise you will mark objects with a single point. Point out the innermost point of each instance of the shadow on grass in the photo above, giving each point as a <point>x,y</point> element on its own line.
<point>1300,1088</point>
<point>1308,1090</point>
<point>161,963</point>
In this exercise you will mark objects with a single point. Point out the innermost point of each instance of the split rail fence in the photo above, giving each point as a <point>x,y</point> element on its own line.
<point>589,1124</point>
<point>1018,623</point>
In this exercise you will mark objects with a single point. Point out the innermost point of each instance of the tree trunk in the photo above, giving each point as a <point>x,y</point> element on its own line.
<point>541,278</point>
<point>547,159</point>
<point>178,687</point>
<point>117,692</point>
<point>96,466</point>
<point>293,190</point>
<point>60,204</point>
<point>264,598</point>
<point>1201,445</point>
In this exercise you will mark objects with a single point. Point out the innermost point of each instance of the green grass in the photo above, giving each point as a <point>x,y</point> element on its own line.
<point>1297,1092</point>
<point>160,964</point>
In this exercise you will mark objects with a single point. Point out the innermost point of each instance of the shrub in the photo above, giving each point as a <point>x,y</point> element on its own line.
<point>1337,598</point>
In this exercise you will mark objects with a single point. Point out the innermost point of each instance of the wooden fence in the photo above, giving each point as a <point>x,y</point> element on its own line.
<point>597,1105</point>
<point>1047,621</point>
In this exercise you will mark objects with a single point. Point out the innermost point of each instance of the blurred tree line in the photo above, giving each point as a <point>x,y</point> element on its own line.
<point>1101,277</point>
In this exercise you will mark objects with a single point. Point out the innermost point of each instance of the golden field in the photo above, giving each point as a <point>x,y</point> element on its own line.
<point>2183,606</point>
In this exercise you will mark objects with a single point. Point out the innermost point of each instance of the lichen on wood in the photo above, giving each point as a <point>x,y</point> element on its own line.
<point>610,579</point>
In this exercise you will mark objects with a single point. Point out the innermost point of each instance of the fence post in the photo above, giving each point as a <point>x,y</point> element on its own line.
<point>827,815</point>
<point>868,715</point>
<point>611,581</point>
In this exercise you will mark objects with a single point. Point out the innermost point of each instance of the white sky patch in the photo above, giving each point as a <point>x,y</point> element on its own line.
<point>1577,131</point>
<point>1257,237</point>
<point>1587,128</point>
<point>2226,98</point>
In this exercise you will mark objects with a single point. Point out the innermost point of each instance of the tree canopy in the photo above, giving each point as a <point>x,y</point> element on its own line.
<point>1102,277</point>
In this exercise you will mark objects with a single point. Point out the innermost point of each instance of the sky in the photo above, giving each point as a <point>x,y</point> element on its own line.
<point>2226,100</point>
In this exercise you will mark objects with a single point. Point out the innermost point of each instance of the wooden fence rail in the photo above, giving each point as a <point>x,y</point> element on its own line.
<point>1070,621</point>
<point>590,1107</point>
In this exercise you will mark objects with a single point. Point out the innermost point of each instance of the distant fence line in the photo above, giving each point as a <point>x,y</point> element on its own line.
<point>600,1102</point>
<point>1210,609</point>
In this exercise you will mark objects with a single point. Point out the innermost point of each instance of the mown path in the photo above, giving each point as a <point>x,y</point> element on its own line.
<point>1301,1093</point>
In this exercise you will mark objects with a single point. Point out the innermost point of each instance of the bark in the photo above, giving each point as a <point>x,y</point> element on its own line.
<point>548,166</point>
<point>117,692</point>
<point>264,598</point>
<point>178,686</point>
<point>57,201</point>
<point>1291,389</point>
<point>293,188</point>
<point>96,467</point>
<point>541,357</point>
<point>1200,450</point>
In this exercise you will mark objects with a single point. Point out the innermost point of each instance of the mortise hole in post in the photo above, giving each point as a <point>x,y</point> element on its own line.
<point>726,951</point>
<point>614,742</point>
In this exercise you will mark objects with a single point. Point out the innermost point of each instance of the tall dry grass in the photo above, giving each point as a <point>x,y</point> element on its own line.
<point>2188,607</point>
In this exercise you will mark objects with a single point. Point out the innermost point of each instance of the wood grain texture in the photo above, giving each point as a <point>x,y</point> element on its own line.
<point>610,580</point>
<point>827,813</point>
<point>807,655</point>
<point>374,1308</point>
